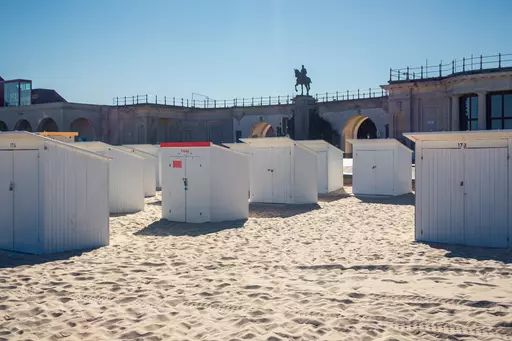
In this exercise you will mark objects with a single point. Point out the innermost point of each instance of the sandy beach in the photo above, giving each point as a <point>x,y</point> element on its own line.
<point>345,269</point>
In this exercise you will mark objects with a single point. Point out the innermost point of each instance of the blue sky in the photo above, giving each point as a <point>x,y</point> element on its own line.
<point>90,51</point>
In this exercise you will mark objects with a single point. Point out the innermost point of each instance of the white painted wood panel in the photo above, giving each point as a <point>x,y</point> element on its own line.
<point>383,172</point>
<point>485,183</point>
<point>198,189</point>
<point>26,201</point>
<point>6,201</point>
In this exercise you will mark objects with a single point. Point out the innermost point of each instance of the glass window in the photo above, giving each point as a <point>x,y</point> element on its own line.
<point>496,124</point>
<point>468,112</point>
<point>507,123</point>
<point>466,105</point>
<point>25,94</point>
<point>11,95</point>
<point>496,108</point>
<point>474,107</point>
<point>507,105</point>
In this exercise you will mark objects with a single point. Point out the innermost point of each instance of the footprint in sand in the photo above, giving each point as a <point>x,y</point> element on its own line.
<point>252,287</point>
<point>126,300</point>
<point>394,281</point>
<point>356,295</point>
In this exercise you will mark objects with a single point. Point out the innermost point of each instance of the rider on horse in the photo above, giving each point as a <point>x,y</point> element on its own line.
<point>303,72</point>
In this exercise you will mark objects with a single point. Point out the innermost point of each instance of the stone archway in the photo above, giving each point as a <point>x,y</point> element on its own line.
<point>47,124</point>
<point>3,126</point>
<point>23,125</point>
<point>84,128</point>
<point>358,127</point>
<point>262,129</point>
<point>367,130</point>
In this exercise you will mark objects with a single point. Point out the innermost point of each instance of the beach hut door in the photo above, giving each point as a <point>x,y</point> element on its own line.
<point>6,201</point>
<point>19,200</point>
<point>197,198</point>
<point>178,187</point>
<point>281,175</point>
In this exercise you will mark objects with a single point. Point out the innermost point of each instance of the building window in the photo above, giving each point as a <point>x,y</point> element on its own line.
<point>468,112</point>
<point>17,93</point>
<point>499,115</point>
<point>25,94</point>
<point>238,136</point>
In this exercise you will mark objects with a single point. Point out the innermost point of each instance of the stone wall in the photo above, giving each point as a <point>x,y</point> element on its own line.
<point>433,105</point>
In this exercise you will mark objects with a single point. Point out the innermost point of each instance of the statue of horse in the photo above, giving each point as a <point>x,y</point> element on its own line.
<point>303,81</point>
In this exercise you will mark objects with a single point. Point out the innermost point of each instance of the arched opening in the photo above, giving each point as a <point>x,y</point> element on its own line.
<point>262,129</point>
<point>47,124</point>
<point>23,125</point>
<point>84,128</point>
<point>367,130</point>
<point>358,127</point>
<point>3,126</point>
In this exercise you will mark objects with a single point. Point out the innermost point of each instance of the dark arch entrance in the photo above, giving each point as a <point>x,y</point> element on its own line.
<point>84,128</point>
<point>23,125</point>
<point>367,129</point>
<point>3,126</point>
<point>47,124</point>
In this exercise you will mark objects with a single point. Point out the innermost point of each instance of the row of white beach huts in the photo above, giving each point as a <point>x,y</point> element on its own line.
<point>57,195</point>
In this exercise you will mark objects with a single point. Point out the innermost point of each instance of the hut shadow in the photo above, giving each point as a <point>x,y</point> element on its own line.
<point>261,210</point>
<point>155,203</point>
<point>165,228</point>
<point>472,252</point>
<point>11,259</point>
<point>405,199</point>
<point>334,196</point>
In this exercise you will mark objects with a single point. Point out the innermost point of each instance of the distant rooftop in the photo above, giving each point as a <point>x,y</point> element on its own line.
<point>40,96</point>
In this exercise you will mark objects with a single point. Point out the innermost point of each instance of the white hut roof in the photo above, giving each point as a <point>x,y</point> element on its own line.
<point>100,146</point>
<point>370,142</point>
<point>32,136</point>
<point>460,135</point>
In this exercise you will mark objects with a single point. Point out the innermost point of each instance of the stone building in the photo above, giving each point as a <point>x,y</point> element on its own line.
<point>459,97</point>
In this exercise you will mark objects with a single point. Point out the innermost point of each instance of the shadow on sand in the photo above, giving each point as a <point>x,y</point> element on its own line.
<point>165,228</point>
<point>406,199</point>
<point>260,210</point>
<point>471,252</point>
<point>333,196</point>
<point>10,259</point>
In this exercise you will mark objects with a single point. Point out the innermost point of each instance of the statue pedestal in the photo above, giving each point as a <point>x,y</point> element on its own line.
<point>302,106</point>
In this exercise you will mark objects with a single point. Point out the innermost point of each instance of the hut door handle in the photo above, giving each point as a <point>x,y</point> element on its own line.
<point>374,167</point>
<point>462,183</point>
<point>11,187</point>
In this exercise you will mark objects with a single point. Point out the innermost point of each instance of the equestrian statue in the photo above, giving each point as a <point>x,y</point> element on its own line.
<point>303,80</point>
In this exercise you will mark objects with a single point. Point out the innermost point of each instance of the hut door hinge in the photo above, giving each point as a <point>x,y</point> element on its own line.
<point>508,156</point>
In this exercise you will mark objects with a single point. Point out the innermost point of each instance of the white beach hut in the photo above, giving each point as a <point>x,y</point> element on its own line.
<point>381,167</point>
<point>282,171</point>
<point>126,181</point>
<point>149,172</point>
<point>329,165</point>
<point>464,187</point>
<point>153,149</point>
<point>203,182</point>
<point>53,195</point>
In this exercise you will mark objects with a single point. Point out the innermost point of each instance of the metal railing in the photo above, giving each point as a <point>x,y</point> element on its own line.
<point>247,102</point>
<point>472,64</point>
